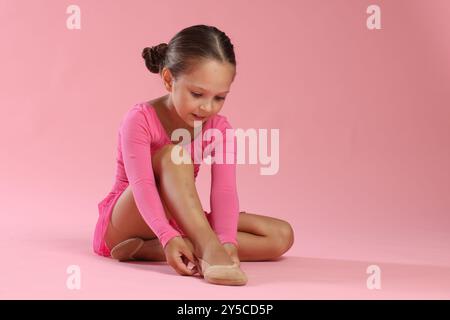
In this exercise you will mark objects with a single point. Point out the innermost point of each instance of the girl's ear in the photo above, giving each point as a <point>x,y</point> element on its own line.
<point>167,79</point>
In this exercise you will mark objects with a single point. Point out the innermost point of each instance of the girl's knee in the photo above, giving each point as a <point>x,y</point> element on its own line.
<point>168,156</point>
<point>176,155</point>
<point>286,236</point>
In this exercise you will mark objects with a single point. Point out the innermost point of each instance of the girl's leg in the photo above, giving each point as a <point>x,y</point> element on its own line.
<point>263,238</point>
<point>178,193</point>
<point>260,238</point>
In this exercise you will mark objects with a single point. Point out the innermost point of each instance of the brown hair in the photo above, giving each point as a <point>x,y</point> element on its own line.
<point>189,47</point>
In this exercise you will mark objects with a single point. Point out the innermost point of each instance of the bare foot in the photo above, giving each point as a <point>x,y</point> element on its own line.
<point>189,243</point>
<point>214,253</point>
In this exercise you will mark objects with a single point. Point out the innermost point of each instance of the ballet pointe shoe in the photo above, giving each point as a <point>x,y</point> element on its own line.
<point>229,275</point>
<point>125,250</point>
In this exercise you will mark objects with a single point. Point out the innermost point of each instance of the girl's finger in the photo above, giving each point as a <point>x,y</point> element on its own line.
<point>182,268</point>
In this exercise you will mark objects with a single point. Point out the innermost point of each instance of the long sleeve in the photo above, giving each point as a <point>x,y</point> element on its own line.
<point>135,142</point>
<point>224,199</point>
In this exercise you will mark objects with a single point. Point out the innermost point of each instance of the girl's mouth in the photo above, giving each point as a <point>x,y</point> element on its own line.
<point>197,117</point>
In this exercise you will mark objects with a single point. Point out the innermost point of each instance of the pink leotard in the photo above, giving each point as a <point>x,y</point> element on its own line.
<point>141,134</point>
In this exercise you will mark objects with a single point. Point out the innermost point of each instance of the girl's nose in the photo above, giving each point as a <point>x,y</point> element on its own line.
<point>206,108</point>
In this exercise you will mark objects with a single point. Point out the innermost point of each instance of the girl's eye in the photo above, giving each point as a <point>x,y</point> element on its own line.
<point>197,95</point>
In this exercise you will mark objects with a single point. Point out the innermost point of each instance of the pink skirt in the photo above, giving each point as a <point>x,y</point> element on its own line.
<point>105,208</point>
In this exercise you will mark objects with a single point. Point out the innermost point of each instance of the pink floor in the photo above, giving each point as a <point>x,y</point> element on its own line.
<point>51,229</point>
<point>34,267</point>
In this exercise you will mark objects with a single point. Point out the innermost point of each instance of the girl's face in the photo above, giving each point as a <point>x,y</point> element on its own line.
<point>201,94</point>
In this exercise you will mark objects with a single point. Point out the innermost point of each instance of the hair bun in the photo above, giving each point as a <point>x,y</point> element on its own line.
<point>154,57</point>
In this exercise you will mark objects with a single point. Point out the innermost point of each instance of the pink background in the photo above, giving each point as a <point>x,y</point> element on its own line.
<point>364,124</point>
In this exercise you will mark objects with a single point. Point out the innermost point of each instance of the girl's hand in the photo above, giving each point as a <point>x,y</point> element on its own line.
<point>232,251</point>
<point>178,255</point>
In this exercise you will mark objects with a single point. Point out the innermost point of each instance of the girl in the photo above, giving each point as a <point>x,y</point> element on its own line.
<point>153,211</point>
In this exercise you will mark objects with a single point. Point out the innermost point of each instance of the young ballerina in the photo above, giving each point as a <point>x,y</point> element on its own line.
<point>153,211</point>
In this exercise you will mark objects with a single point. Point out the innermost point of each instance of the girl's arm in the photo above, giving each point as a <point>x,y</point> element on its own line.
<point>135,142</point>
<point>224,199</point>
